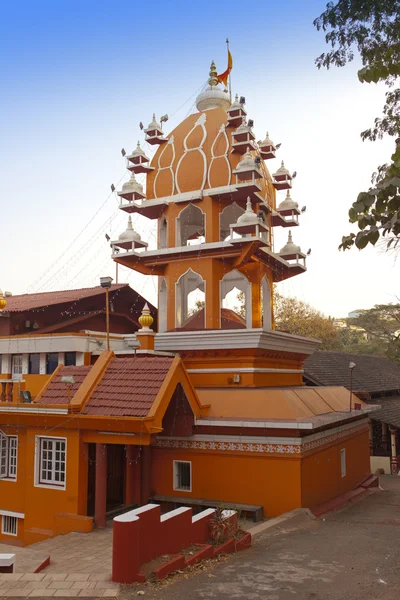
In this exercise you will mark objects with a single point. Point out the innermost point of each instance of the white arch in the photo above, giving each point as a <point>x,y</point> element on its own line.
<point>266,303</point>
<point>187,283</point>
<point>235,279</point>
<point>227,217</point>
<point>189,222</point>
<point>162,306</point>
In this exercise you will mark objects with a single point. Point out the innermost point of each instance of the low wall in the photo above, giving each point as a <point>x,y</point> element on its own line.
<point>380,462</point>
<point>143,534</point>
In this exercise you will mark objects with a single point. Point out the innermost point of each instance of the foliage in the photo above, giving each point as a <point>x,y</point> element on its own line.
<point>373,28</point>
<point>299,318</point>
<point>198,305</point>
<point>382,324</point>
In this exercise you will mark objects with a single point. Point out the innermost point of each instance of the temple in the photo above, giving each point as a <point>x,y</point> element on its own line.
<point>209,407</point>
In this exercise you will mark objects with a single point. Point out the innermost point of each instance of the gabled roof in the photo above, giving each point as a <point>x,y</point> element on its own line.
<point>57,392</point>
<point>372,374</point>
<point>129,387</point>
<point>26,302</point>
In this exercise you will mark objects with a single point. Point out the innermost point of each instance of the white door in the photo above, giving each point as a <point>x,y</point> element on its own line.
<point>16,367</point>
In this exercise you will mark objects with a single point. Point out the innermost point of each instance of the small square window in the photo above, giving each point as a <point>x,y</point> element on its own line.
<point>9,525</point>
<point>51,461</point>
<point>343,462</point>
<point>182,476</point>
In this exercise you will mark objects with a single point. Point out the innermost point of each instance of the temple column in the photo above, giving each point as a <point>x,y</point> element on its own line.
<point>393,460</point>
<point>145,474</point>
<point>132,475</point>
<point>371,438</point>
<point>100,500</point>
<point>384,435</point>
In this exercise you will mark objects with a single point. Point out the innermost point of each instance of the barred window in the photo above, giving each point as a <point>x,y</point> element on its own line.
<point>52,461</point>
<point>183,475</point>
<point>8,456</point>
<point>9,525</point>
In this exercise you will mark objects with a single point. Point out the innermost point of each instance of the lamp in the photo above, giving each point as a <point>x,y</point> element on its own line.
<point>69,381</point>
<point>105,283</point>
<point>351,367</point>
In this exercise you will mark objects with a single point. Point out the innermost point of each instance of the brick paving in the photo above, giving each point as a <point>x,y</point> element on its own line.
<point>80,566</point>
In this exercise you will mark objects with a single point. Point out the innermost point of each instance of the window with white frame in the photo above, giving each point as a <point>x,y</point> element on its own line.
<point>8,456</point>
<point>51,456</point>
<point>9,525</point>
<point>343,462</point>
<point>182,475</point>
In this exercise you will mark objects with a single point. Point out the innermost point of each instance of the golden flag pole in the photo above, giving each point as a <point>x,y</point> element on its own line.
<point>230,82</point>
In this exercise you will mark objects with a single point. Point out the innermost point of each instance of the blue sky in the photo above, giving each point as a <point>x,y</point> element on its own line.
<point>76,79</point>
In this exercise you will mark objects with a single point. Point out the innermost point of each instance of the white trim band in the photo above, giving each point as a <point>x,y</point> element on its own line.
<point>11,513</point>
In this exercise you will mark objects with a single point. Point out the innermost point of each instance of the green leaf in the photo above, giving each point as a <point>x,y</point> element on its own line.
<point>358,206</point>
<point>373,237</point>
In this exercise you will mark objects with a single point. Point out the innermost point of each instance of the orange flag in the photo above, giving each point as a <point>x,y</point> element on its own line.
<point>223,77</point>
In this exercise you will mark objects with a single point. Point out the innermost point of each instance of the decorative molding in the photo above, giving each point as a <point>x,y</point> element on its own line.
<point>294,447</point>
<point>169,167</point>
<point>245,370</point>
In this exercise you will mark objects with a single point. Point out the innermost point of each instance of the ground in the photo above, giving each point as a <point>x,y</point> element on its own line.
<point>350,554</point>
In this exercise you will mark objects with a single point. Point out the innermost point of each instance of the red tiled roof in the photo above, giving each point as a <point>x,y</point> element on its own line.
<point>57,392</point>
<point>32,301</point>
<point>129,387</point>
<point>229,320</point>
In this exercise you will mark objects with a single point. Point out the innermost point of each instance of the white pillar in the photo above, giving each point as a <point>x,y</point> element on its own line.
<point>393,461</point>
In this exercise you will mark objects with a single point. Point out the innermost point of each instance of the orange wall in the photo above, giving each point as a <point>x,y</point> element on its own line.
<point>321,478</point>
<point>40,504</point>
<point>273,483</point>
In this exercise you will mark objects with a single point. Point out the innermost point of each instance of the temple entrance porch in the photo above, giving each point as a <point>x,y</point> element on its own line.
<point>384,447</point>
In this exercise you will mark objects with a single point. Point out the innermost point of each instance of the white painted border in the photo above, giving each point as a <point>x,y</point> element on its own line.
<point>11,513</point>
<point>176,489</point>
<point>34,409</point>
<point>48,486</point>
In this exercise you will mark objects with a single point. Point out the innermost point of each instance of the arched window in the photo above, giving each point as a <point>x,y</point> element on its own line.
<point>162,306</point>
<point>190,226</point>
<point>237,285</point>
<point>190,300</point>
<point>227,217</point>
<point>266,303</point>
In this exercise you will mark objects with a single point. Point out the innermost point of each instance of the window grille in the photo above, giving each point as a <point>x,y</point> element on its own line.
<point>52,461</point>
<point>9,525</point>
<point>183,475</point>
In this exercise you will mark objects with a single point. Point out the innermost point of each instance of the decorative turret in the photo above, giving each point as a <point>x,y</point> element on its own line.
<point>243,137</point>
<point>293,254</point>
<point>3,301</point>
<point>282,178</point>
<point>146,320</point>
<point>154,133</point>
<point>132,190</point>
<point>289,209</point>
<point>129,239</point>
<point>236,112</point>
<point>247,168</point>
<point>213,97</point>
<point>250,223</point>
<point>267,148</point>
<point>137,161</point>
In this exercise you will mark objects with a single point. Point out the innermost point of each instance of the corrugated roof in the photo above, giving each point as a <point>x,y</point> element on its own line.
<point>44,299</point>
<point>57,392</point>
<point>371,374</point>
<point>129,387</point>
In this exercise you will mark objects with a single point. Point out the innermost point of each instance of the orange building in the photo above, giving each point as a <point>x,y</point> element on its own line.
<point>211,409</point>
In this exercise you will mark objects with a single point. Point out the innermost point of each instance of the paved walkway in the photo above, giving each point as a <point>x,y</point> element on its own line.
<point>351,554</point>
<point>80,567</point>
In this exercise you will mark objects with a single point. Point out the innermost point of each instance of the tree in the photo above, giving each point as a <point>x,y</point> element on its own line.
<point>382,324</point>
<point>373,28</point>
<point>299,318</point>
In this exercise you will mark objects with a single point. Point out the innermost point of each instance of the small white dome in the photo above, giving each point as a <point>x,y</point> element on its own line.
<point>243,127</point>
<point>267,141</point>
<point>154,124</point>
<point>212,97</point>
<point>138,151</point>
<point>132,185</point>
<point>288,203</point>
<point>129,235</point>
<point>290,247</point>
<point>236,105</point>
<point>249,217</point>
<point>247,161</point>
<point>282,170</point>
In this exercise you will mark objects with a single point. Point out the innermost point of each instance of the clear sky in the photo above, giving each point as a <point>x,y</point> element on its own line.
<point>78,76</point>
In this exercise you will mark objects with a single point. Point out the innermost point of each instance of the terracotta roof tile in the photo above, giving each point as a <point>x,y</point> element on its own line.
<point>372,373</point>
<point>129,387</point>
<point>44,299</point>
<point>57,392</point>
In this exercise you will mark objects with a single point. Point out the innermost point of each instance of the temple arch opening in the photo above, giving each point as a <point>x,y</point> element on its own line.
<point>190,300</point>
<point>236,295</point>
<point>227,217</point>
<point>190,226</point>
<point>162,306</point>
